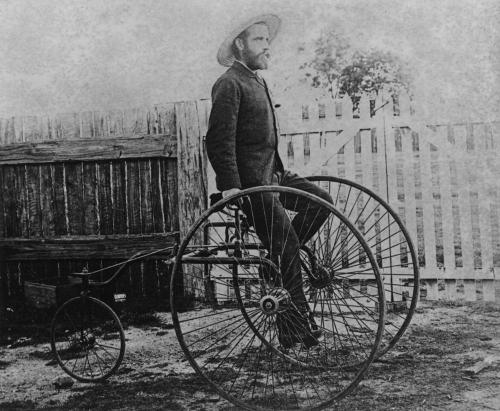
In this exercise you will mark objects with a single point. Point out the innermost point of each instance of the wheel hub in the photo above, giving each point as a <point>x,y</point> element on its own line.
<point>322,277</point>
<point>276,301</point>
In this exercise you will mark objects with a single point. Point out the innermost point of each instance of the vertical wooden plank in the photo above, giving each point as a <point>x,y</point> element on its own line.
<point>408,158</point>
<point>366,158</point>
<point>380,187</point>
<point>47,201</point>
<point>346,107</point>
<point>170,194</point>
<point>146,197</point>
<point>157,209</point>
<point>455,211</point>
<point>485,185</point>
<point>204,107</point>
<point>87,124</point>
<point>105,198</point>
<point>14,130</point>
<point>90,198</point>
<point>427,208</point>
<point>298,149</point>
<point>383,134</point>
<point>316,150</point>
<point>464,201</point>
<point>135,121</point>
<point>2,208</point>
<point>74,189</point>
<point>134,200</point>
<point>376,172</point>
<point>436,196</point>
<point>290,153</point>
<point>390,259</point>
<point>3,123</point>
<point>118,196</point>
<point>33,200</point>
<point>476,235</point>
<point>349,161</point>
<point>495,224</point>
<point>45,128</point>
<point>114,123</point>
<point>69,126</point>
<point>307,149</point>
<point>446,207</point>
<point>32,128</point>
<point>100,124</point>
<point>3,289</point>
<point>364,107</point>
<point>22,188</point>
<point>192,192</point>
<point>58,179</point>
<point>166,114</point>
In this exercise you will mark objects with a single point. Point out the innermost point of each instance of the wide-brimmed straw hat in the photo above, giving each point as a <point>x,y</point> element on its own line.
<point>225,55</point>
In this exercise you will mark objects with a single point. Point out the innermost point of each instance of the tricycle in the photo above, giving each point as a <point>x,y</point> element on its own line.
<point>359,274</point>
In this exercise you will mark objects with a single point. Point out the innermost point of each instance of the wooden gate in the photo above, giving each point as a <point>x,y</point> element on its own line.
<point>443,179</point>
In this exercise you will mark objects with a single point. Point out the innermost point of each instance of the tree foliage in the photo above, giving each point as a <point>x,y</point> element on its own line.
<point>341,69</point>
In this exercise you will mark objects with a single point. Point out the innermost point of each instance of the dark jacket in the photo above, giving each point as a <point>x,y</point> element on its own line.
<point>242,137</point>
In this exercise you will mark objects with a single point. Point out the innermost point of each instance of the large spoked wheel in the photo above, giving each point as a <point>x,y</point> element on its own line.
<point>391,244</point>
<point>87,339</point>
<point>258,334</point>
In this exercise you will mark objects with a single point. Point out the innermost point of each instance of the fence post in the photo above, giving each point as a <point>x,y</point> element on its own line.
<point>3,288</point>
<point>191,177</point>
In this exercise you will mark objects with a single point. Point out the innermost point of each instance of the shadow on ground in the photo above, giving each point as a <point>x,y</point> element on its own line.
<point>425,371</point>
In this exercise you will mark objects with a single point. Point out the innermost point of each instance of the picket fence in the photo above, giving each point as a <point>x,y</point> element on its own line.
<point>442,177</point>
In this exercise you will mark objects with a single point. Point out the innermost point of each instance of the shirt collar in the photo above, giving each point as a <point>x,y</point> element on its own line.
<point>245,69</point>
<point>248,69</point>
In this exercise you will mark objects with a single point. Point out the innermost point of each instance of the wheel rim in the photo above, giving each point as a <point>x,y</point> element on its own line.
<point>391,244</point>
<point>235,344</point>
<point>87,339</point>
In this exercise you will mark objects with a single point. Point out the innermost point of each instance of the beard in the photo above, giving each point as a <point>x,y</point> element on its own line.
<point>255,61</point>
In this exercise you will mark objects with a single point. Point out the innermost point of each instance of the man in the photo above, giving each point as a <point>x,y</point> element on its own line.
<point>242,142</point>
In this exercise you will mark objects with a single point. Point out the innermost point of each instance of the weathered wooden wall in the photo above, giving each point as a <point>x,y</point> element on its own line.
<point>92,189</point>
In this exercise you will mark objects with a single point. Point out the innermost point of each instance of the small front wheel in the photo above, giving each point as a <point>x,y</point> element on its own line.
<point>87,339</point>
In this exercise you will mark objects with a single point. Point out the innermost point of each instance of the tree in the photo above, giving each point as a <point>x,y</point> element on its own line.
<point>341,69</point>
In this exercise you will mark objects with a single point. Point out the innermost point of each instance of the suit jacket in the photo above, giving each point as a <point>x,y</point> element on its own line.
<point>242,136</point>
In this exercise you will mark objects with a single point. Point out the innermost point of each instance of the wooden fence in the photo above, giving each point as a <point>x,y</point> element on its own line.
<point>442,178</point>
<point>102,186</point>
<point>92,189</point>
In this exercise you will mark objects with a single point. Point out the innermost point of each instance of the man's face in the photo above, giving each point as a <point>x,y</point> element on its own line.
<point>255,53</point>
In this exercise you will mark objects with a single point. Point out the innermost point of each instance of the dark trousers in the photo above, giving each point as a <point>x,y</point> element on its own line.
<point>283,237</point>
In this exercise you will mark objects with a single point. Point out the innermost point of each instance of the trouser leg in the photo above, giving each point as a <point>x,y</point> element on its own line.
<point>310,215</point>
<point>277,234</point>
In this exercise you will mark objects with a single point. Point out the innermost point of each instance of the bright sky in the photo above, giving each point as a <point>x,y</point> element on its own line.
<point>63,56</point>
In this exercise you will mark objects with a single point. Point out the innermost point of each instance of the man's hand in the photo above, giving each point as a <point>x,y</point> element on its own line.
<point>230,192</point>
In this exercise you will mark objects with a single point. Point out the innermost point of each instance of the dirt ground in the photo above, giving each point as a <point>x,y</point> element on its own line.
<point>427,370</point>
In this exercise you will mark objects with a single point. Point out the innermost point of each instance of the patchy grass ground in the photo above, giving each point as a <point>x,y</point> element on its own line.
<point>425,371</point>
